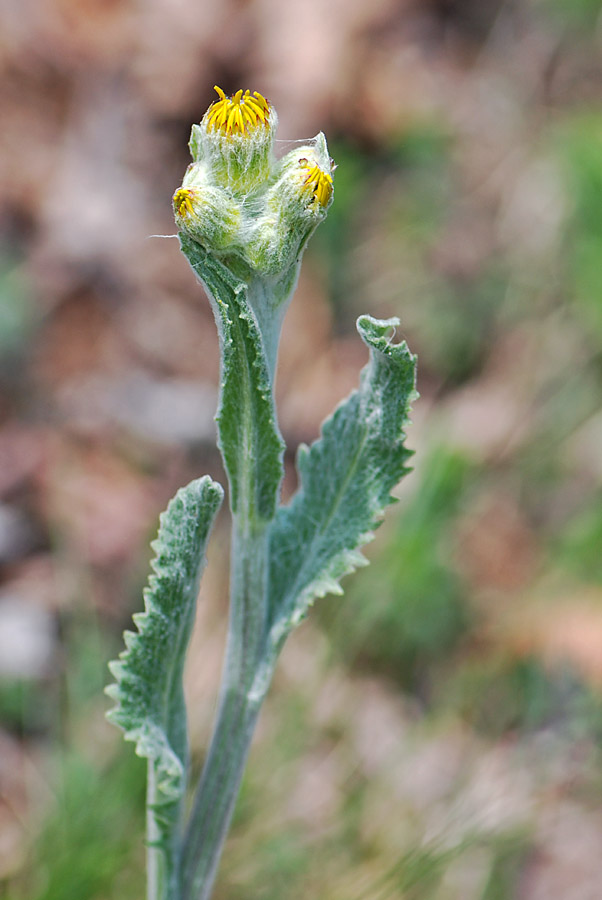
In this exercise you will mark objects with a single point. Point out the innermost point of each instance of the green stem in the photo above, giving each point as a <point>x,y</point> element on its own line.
<point>155,878</point>
<point>248,323</point>
<point>162,862</point>
<point>237,714</point>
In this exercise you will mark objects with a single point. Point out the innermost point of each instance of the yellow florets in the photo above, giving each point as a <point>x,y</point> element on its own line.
<point>235,115</point>
<point>182,201</point>
<point>318,182</point>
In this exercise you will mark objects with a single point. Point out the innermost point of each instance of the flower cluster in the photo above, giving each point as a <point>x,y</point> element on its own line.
<point>238,200</point>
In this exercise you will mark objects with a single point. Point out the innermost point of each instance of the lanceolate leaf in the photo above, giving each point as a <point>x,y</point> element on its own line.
<point>148,690</point>
<point>345,481</point>
<point>248,435</point>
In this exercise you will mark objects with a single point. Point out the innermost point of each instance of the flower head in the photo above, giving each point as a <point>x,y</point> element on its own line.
<point>237,114</point>
<point>182,201</point>
<point>206,213</point>
<point>317,182</point>
<point>234,141</point>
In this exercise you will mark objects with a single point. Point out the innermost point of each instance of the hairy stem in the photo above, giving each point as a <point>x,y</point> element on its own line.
<point>237,714</point>
<point>162,862</point>
<point>248,324</point>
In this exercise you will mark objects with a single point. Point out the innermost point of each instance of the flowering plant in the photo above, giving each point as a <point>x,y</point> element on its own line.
<point>244,219</point>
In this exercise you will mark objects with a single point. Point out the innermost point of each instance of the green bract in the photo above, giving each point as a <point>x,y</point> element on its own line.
<point>244,219</point>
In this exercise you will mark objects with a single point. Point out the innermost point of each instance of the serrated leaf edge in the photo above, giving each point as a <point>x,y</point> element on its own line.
<point>376,334</point>
<point>149,737</point>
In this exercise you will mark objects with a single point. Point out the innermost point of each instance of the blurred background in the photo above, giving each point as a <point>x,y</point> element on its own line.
<point>435,733</point>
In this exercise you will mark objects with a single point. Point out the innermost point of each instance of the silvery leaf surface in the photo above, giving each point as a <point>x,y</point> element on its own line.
<point>249,439</point>
<point>148,674</point>
<point>345,482</point>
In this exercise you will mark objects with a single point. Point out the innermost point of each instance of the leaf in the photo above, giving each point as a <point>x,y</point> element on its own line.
<point>148,690</point>
<point>249,439</point>
<point>345,479</point>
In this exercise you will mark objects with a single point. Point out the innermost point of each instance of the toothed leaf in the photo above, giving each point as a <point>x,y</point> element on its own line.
<point>148,675</point>
<point>345,480</point>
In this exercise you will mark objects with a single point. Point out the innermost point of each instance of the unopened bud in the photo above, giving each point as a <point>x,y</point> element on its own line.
<point>295,204</point>
<point>207,214</point>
